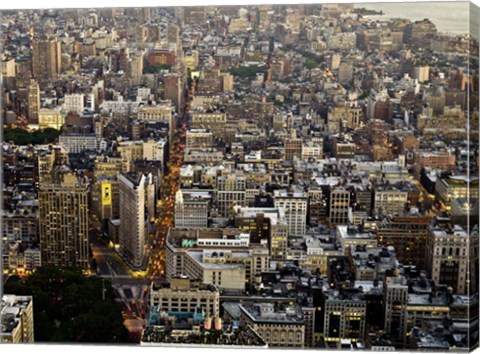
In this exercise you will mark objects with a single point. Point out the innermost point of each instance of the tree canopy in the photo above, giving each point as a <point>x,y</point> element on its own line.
<point>249,72</point>
<point>23,137</point>
<point>153,69</point>
<point>68,306</point>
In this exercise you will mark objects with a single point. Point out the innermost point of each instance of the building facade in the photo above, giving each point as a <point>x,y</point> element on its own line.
<point>447,255</point>
<point>63,223</point>
<point>133,218</point>
<point>16,319</point>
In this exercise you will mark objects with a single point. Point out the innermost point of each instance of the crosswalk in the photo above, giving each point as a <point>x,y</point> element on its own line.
<point>134,299</point>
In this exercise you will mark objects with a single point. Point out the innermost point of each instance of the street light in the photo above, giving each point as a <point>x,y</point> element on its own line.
<point>103,289</point>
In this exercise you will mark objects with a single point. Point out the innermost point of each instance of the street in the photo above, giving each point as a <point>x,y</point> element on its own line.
<point>170,186</point>
<point>130,289</point>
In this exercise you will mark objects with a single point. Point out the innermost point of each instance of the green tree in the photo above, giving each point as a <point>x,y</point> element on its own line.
<point>153,69</point>
<point>310,63</point>
<point>23,137</point>
<point>69,307</point>
<point>249,72</point>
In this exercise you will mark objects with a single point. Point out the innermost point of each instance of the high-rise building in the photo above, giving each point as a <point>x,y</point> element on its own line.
<point>340,199</point>
<point>173,90</point>
<point>16,319</point>
<point>407,234</point>
<point>312,149</point>
<point>198,139</point>
<point>173,36</point>
<point>154,150</point>
<point>105,198</point>
<point>295,206</point>
<point>136,67</point>
<point>266,225</point>
<point>190,212</point>
<point>228,82</point>
<point>221,257</point>
<point>161,57</point>
<point>78,132</point>
<point>33,102</point>
<point>108,166</point>
<point>389,200</point>
<point>20,227</point>
<point>395,298</point>
<point>473,261</point>
<point>46,58</point>
<point>447,255</point>
<point>309,320</point>
<point>352,236</point>
<point>214,121</point>
<point>74,103</point>
<point>345,73</point>
<point>345,317</point>
<point>190,60</point>
<point>142,34</point>
<point>421,73</point>
<point>434,160</point>
<point>63,223</point>
<point>50,118</point>
<point>7,66</point>
<point>162,112</point>
<point>130,151</point>
<point>23,71</point>
<point>317,206</point>
<point>49,162</point>
<point>133,216</point>
<point>293,147</point>
<point>453,188</point>
<point>231,192</point>
<point>193,295</point>
<point>279,328</point>
<point>342,148</point>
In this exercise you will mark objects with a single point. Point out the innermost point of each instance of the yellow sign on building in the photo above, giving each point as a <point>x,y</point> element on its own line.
<point>106,194</point>
<point>194,74</point>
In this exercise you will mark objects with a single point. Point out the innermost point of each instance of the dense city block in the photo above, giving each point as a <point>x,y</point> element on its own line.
<point>261,176</point>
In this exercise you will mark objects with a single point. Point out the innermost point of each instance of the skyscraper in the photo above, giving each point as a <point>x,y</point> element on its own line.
<point>395,297</point>
<point>136,67</point>
<point>133,216</point>
<point>447,256</point>
<point>33,102</point>
<point>190,212</point>
<point>46,58</point>
<point>339,206</point>
<point>173,90</point>
<point>293,147</point>
<point>173,37</point>
<point>63,223</point>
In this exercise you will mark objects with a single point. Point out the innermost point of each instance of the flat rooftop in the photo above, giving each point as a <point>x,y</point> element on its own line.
<point>203,233</point>
<point>227,337</point>
<point>267,313</point>
<point>198,256</point>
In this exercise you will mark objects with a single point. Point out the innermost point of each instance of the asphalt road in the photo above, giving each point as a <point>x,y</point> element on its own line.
<point>108,262</point>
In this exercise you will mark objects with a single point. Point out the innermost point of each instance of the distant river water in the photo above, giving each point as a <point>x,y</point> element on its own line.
<point>449,17</point>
